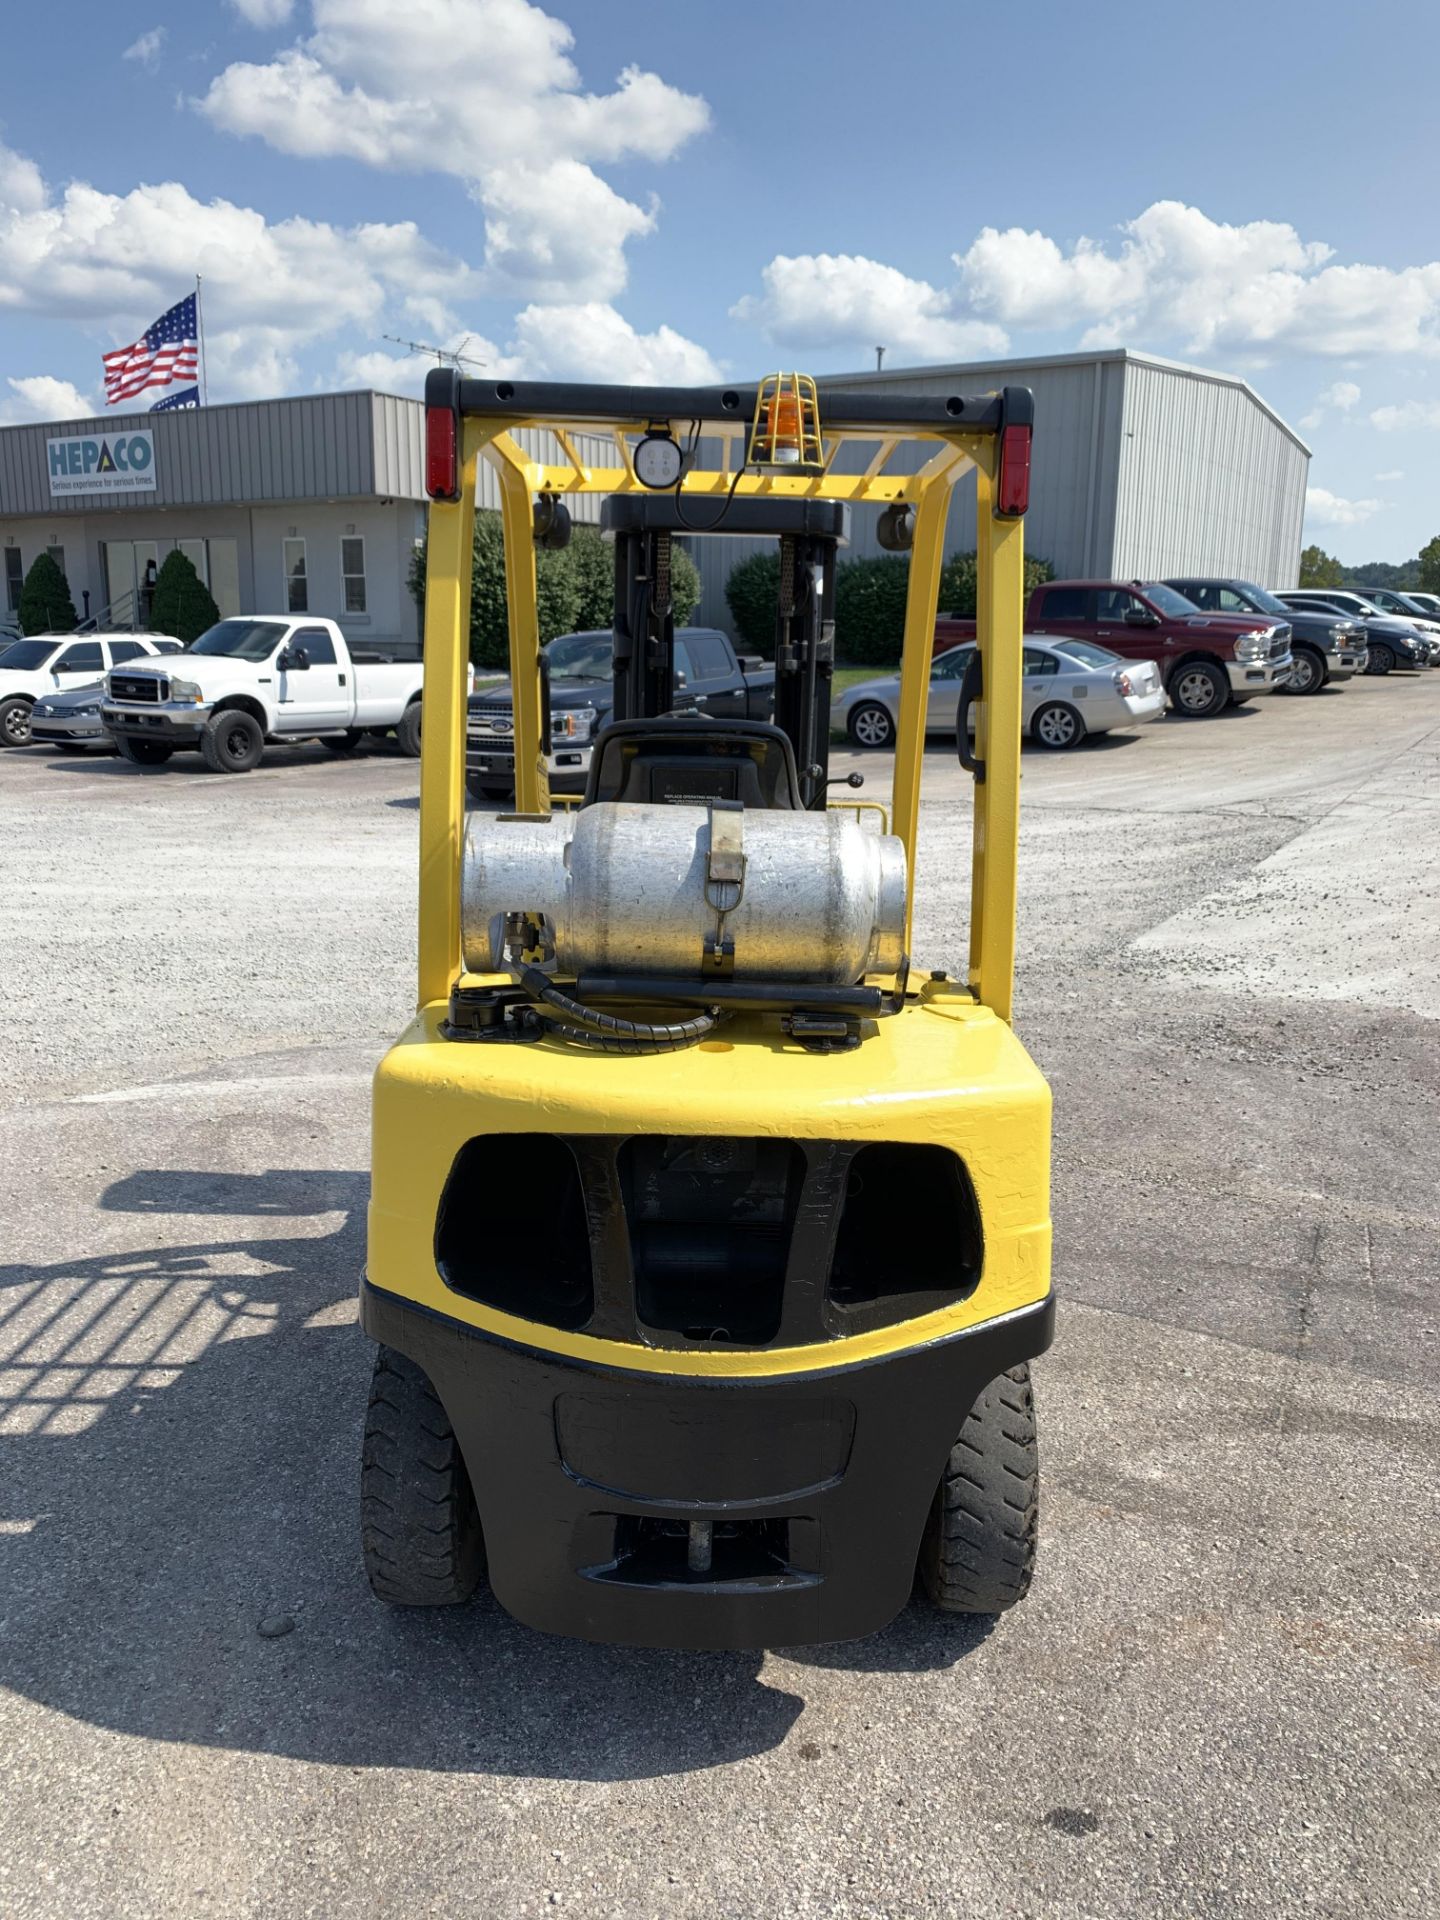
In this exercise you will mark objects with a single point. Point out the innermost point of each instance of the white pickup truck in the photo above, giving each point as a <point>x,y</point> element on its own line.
<point>255,680</point>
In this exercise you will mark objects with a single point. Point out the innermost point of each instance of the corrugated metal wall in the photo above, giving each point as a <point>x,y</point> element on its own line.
<point>1140,469</point>
<point>1209,481</point>
<point>332,446</point>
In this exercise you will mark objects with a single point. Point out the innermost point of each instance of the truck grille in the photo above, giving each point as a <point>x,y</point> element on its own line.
<point>138,686</point>
<point>1280,643</point>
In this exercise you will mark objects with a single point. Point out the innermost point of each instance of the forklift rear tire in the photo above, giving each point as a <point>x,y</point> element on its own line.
<point>419,1526</point>
<point>978,1551</point>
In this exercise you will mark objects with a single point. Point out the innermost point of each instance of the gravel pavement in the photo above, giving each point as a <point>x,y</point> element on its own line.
<point>1221,1697</point>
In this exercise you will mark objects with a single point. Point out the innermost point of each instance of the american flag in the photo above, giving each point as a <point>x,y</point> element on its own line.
<point>167,352</point>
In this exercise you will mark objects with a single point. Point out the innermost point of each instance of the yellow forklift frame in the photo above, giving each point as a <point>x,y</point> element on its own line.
<point>944,1072</point>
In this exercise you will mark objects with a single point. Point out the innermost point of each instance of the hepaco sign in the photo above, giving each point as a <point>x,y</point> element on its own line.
<point>102,463</point>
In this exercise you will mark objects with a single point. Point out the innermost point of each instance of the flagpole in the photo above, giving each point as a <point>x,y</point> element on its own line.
<point>200,324</point>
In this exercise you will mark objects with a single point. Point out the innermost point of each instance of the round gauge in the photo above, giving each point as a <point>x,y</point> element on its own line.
<point>658,461</point>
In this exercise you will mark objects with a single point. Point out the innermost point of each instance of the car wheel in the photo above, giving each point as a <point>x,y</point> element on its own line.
<point>232,741</point>
<point>871,725</point>
<point>1307,672</point>
<point>978,1551</point>
<point>407,734</point>
<point>15,723</point>
<point>1199,690</point>
<point>1057,726</point>
<point>143,753</point>
<point>343,742</point>
<point>1382,660</point>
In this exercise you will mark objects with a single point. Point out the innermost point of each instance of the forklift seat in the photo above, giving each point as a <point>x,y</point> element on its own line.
<point>692,762</point>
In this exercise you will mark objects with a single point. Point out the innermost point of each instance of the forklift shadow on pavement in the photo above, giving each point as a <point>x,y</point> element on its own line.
<point>178,1430</point>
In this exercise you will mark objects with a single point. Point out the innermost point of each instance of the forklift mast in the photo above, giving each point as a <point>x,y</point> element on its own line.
<point>809,533</point>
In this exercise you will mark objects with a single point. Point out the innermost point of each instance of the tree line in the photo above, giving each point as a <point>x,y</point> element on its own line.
<point>1321,569</point>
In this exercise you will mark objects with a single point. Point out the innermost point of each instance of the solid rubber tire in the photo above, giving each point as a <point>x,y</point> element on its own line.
<point>143,753</point>
<point>978,1550</point>
<point>216,736</point>
<point>1219,684</point>
<point>419,1525</point>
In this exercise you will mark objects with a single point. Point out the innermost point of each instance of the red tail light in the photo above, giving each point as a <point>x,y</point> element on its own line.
<point>442,466</point>
<point>1013,494</point>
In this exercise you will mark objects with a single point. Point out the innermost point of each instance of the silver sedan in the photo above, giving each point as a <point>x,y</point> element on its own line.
<point>1070,691</point>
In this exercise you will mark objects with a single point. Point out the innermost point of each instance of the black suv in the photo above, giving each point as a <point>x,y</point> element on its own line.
<point>1324,646</point>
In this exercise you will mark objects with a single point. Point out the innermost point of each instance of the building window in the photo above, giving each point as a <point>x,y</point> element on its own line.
<point>297,591</point>
<point>352,574</point>
<point>57,554</point>
<point>14,578</point>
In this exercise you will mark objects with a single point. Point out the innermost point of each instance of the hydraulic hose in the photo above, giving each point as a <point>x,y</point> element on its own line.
<point>608,1032</point>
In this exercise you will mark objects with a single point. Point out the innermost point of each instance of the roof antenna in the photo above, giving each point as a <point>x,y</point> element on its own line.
<point>444,356</point>
<point>879,359</point>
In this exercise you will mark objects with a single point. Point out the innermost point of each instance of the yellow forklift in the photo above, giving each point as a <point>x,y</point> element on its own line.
<point>709,1239</point>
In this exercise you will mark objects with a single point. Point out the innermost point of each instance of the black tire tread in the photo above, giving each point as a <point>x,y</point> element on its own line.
<point>978,1553</point>
<point>419,1526</point>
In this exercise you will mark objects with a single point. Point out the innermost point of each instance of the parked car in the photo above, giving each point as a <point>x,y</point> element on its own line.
<point>1409,607</point>
<point>1389,642</point>
<point>71,720</point>
<point>259,678</point>
<point>1428,603</point>
<point>1324,646</point>
<point>711,678</point>
<point>51,663</point>
<point>1071,690</point>
<point>1207,660</point>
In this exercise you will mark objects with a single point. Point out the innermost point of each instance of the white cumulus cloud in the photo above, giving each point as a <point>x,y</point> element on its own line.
<point>22,189</point>
<point>147,48</point>
<point>818,300</point>
<point>485,90</point>
<point>116,260</point>
<point>1179,276</point>
<point>1326,509</point>
<point>1341,396</point>
<point>1411,413</point>
<point>264,13</point>
<point>38,396</point>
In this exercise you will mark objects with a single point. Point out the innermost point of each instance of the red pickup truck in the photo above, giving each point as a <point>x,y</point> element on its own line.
<point>1207,660</point>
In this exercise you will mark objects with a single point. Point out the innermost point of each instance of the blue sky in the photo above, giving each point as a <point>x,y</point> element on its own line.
<point>636,190</point>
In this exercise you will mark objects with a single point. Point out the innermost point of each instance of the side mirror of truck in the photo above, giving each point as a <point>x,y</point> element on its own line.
<point>293,660</point>
<point>1141,617</point>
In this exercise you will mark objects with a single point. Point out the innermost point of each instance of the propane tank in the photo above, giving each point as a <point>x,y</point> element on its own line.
<point>687,892</point>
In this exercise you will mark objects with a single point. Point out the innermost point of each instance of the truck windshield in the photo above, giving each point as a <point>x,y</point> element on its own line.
<point>23,656</point>
<point>1262,601</point>
<point>581,656</point>
<point>1166,600</point>
<point>241,639</point>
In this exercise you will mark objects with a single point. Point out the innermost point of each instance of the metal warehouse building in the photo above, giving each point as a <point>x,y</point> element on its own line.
<point>1142,468</point>
<point>310,505</point>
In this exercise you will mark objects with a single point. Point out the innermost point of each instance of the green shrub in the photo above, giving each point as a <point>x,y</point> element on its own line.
<point>574,588</point>
<point>870,610</point>
<point>45,603</point>
<point>957,581</point>
<point>181,604</point>
<point>751,593</point>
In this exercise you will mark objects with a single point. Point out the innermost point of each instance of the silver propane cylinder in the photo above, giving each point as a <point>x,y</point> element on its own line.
<point>690,891</point>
